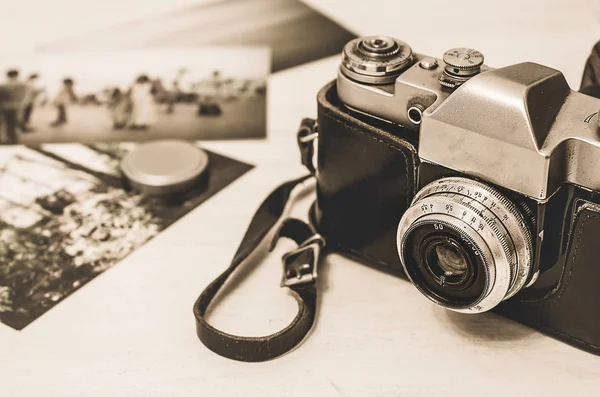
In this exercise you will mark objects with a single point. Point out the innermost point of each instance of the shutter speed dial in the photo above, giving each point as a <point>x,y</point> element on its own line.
<point>375,59</point>
<point>460,65</point>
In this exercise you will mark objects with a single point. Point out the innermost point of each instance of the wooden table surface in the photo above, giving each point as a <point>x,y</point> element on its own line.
<point>131,332</point>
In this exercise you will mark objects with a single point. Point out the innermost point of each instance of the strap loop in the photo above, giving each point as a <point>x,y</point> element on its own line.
<point>303,288</point>
<point>306,136</point>
<point>299,275</point>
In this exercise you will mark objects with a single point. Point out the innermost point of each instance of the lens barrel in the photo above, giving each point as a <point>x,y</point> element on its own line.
<point>465,245</point>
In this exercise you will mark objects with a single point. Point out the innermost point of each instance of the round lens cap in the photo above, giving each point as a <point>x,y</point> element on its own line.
<point>165,166</point>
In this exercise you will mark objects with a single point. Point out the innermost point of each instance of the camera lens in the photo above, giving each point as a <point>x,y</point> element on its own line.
<point>464,245</point>
<point>443,263</point>
<point>446,260</point>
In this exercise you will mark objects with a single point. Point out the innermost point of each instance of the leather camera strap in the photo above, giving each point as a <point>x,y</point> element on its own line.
<point>299,276</point>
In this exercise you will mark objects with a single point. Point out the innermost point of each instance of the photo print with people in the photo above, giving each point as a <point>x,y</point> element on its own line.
<point>197,93</point>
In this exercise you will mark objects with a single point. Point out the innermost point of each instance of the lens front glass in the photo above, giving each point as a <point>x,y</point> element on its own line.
<point>443,264</point>
<point>446,260</point>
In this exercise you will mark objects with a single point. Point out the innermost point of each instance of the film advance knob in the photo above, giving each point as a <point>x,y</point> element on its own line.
<point>463,61</point>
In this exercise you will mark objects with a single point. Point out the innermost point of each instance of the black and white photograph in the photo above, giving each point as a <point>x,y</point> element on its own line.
<point>196,93</point>
<point>67,215</point>
<point>292,198</point>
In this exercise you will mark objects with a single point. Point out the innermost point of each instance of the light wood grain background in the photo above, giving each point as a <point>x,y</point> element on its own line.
<point>130,332</point>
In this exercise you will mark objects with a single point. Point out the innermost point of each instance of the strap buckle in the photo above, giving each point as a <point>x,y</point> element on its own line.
<point>300,265</point>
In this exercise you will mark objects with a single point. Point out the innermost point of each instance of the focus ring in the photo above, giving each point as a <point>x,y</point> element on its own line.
<point>513,221</point>
<point>484,214</point>
<point>496,227</point>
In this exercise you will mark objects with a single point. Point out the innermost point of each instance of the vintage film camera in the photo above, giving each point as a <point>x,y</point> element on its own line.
<point>479,184</point>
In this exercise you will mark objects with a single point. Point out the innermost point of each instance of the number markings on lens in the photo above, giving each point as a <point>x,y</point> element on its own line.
<point>479,202</point>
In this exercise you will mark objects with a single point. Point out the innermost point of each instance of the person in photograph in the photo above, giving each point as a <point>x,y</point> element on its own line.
<point>34,93</point>
<point>172,97</point>
<point>144,110</point>
<point>119,106</point>
<point>207,97</point>
<point>160,93</point>
<point>176,90</point>
<point>64,98</point>
<point>13,98</point>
